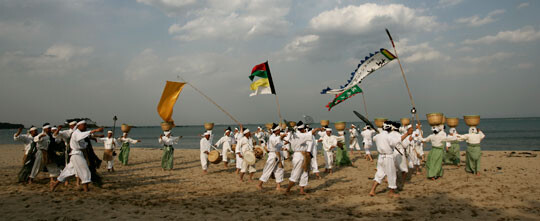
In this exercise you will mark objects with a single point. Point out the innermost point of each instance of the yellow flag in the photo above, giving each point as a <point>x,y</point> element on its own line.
<point>168,99</point>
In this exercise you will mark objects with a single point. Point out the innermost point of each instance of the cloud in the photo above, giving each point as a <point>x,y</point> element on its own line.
<point>523,5</point>
<point>240,19</point>
<point>475,21</point>
<point>448,3</point>
<point>464,49</point>
<point>170,7</point>
<point>525,34</point>
<point>300,46</point>
<point>525,66</point>
<point>499,56</point>
<point>367,17</point>
<point>57,60</point>
<point>420,52</point>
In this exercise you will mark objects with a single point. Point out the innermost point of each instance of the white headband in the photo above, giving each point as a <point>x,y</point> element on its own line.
<point>46,127</point>
<point>167,132</point>
<point>246,131</point>
<point>33,128</point>
<point>80,122</point>
<point>54,128</point>
<point>72,123</point>
<point>109,132</point>
<point>207,133</point>
<point>352,125</point>
<point>329,129</point>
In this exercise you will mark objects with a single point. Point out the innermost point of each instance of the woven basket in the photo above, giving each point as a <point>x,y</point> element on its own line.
<point>208,126</point>
<point>434,119</point>
<point>472,120</point>
<point>380,121</point>
<point>405,121</point>
<point>452,121</point>
<point>325,123</point>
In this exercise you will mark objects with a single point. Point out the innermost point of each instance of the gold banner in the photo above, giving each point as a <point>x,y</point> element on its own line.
<point>168,99</point>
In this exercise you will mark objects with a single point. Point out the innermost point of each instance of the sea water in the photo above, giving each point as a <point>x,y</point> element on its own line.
<point>501,134</point>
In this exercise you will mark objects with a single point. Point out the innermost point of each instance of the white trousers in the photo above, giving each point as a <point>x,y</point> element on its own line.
<point>204,161</point>
<point>401,161</point>
<point>271,166</point>
<point>298,172</point>
<point>413,158</point>
<point>419,149</point>
<point>110,164</point>
<point>314,164</point>
<point>239,162</point>
<point>328,159</point>
<point>224,152</point>
<point>386,167</point>
<point>354,144</point>
<point>76,166</point>
<point>367,146</point>
<point>52,168</point>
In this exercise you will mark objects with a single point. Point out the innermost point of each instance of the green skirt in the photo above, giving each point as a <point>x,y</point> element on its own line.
<point>452,155</point>
<point>473,158</point>
<point>124,154</point>
<point>434,162</point>
<point>167,159</point>
<point>342,157</point>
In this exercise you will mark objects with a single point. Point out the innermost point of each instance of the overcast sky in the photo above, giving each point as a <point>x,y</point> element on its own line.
<point>81,58</point>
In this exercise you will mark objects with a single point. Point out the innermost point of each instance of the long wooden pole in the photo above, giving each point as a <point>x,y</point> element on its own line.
<point>413,111</point>
<point>365,107</point>
<point>212,101</point>
<point>278,110</point>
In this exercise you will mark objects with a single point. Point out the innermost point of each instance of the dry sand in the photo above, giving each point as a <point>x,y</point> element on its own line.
<point>142,191</point>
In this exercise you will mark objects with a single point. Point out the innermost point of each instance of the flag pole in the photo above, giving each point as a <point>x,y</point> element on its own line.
<point>365,107</point>
<point>413,110</point>
<point>212,101</point>
<point>273,90</point>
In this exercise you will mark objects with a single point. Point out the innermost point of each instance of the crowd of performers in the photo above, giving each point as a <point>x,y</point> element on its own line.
<point>66,153</point>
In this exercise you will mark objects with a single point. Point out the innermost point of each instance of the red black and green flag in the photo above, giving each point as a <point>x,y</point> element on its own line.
<point>344,96</point>
<point>264,83</point>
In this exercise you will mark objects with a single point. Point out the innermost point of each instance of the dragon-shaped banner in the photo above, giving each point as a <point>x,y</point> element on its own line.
<point>367,66</point>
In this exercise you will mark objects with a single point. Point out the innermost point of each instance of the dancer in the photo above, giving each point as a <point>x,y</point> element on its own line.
<point>274,163</point>
<point>205,146</point>
<point>226,142</point>
<point>435,156</point>
<point>168,151</point>
<point>109,144</point>
<point>473,154</point>
<point>125,148</point>
<point>329,143</point>
<point>353,139</point>
<point>367,141</point>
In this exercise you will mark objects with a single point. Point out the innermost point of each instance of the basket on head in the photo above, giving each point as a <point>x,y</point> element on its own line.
<point>405,121</point>
<point>292,123</point>
<point>340,125</point>
<point>249,157</point>
<point>125,128</point>
<point>452,121</point>
<point>208,126</point>
<point>380,121</point>
<point>434,119</point>
<point>269,126</point>
<point>214,157</point>
<point>443,119</point>
<point>472,120</point>
<point>259,152</point>
<point>325,123</point>
<point>282,125</point>
<point>165,126</point>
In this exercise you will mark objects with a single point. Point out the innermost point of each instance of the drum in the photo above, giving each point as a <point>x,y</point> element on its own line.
<point>434,119</point>
<point>249,158</point>
<point>233,147</point>
<point>259,152</point>
<point>214,157</point>
<point>230,155</point>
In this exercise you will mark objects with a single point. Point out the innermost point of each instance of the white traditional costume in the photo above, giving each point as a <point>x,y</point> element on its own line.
<point>385,165</point>
<point>108,144</point>
<point>205,146</point>
<point>354,138</point>
<point>300,143</point>
<point>77,164</point>
<point>367,139</point>
<point>244,145</point>
<point>272,163</point>
<point>42,144</point>
<point>226,142</point>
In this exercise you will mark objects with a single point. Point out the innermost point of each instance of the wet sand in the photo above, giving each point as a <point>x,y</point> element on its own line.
<point>506,189</point>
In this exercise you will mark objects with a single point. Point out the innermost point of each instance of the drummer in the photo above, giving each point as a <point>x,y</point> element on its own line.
<point>226,142</point>
<point>246,145</point>
<point>205,150</point>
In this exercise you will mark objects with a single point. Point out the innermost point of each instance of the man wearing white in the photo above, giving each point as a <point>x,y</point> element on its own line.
<point>367,141</point>
<point>274,163</point>
<point>400,157</point>
<point>42,160</point>
<point>226,142</point>
<point>77,164</point>
<point>108,143</point>
<point>314,164</point>
<point>386,166</point>
<point>205,150</point>
<point>238,151</point>
<point>329,143</point>
<point>26,139</point>
<point>65,135</point>
<point>300,145</point>
<point>353,143</point>
<point>245,145</point>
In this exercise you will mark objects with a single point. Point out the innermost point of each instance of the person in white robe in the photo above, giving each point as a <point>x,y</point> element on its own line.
<point>329,143</point>
<point>246,145</point>
<point>42,160</point>
<point>77,164</point>
<point>205,147</point>
<point>353,141</point>
<point>274,163</point>
<point>314,164</point>
<point>300,143</point>
<point>400,155</point>
<point>26,139</point>
<point>386,166</point>
<point>367,141</point>
<point>109,143</point>
<point>237,137</point>
<point>225,142</point>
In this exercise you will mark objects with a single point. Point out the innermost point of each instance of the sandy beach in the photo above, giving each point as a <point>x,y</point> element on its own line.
<point>506,190</point>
